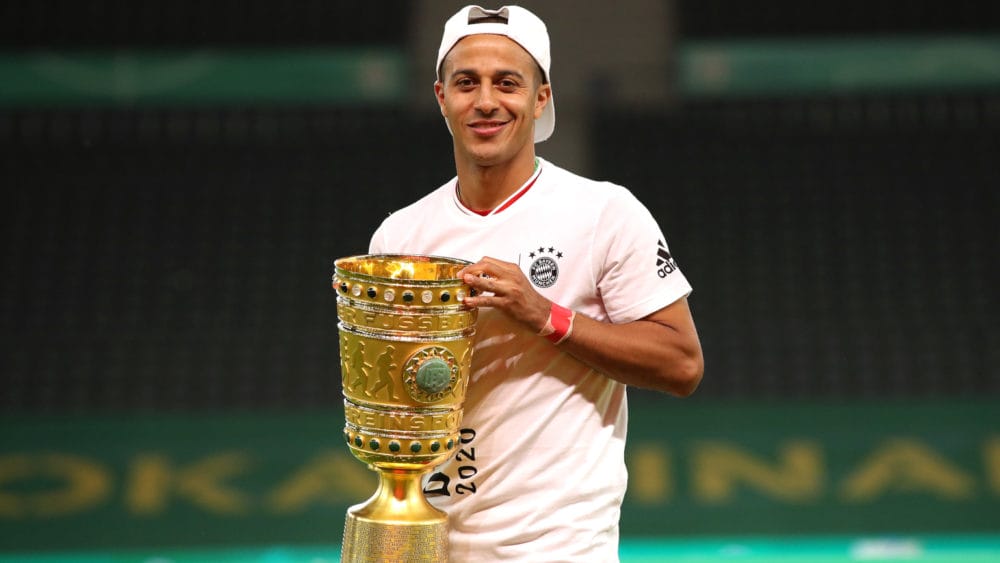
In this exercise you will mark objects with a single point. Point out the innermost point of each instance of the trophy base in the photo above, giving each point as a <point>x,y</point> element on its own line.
<point>368,541</point>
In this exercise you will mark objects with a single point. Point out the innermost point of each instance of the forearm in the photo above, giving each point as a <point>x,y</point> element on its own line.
<point>645,353</point>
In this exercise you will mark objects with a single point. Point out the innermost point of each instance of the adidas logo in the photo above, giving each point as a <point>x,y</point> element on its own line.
<point>665,264</point>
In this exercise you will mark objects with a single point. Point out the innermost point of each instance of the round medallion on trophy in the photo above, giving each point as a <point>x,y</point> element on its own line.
<point>430,374</point>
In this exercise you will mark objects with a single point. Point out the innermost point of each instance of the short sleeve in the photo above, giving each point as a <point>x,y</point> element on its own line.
<point>635,271</point>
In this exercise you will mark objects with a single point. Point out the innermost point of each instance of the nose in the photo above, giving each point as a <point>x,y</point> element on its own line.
<point>486,102</point>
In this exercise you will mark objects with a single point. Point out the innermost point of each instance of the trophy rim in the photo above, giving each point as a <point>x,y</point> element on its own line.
<point>341,271</point>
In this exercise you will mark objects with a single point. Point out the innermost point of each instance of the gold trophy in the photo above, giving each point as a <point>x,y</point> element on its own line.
<point>405,352</point>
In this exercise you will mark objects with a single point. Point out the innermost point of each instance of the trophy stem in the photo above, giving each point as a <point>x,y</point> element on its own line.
<point>396,524</point>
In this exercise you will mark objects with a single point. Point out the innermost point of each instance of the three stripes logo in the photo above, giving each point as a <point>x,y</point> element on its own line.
<point>665,264</point>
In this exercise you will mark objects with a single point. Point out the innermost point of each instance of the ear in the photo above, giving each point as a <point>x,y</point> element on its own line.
<point>542,97</point>
<point>439,94</point>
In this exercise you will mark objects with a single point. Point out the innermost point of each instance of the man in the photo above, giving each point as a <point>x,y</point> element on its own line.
<point>578,296</point>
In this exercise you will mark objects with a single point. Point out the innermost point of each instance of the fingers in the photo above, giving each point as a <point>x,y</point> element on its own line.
<point>481,282</point>
<point>488,267</point>
<point>484,285</point>
<point>486,274</point>
<point>492,279</point>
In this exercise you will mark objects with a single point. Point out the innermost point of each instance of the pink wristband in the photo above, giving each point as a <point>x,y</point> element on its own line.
<point>560,324</point>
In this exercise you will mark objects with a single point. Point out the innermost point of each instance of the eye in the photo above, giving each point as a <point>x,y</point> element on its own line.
<point>507,84</point>
<point>465,82</point>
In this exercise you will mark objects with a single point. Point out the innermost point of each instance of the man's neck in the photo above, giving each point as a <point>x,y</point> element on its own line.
<point>485,187</point>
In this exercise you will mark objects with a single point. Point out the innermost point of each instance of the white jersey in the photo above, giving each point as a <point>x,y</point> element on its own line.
<point>540,474</point>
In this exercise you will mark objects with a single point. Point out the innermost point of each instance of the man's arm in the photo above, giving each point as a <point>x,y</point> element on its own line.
<point>661,351</point>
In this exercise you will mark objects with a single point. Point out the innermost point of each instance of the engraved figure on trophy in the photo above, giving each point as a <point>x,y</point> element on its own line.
<point>384,366</point>
<point>359,368</point>
<point>345,361</point>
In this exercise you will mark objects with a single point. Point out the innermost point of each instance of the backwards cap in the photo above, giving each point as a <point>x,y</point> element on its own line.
<point>520,25</point>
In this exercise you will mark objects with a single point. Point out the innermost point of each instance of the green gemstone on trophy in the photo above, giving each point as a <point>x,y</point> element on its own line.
<point>433,375</point>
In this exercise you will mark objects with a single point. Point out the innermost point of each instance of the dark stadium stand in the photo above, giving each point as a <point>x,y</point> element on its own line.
<point>181,259</point>
<point>168,259</point>
<point>839,247</point>
<point>51,24</point>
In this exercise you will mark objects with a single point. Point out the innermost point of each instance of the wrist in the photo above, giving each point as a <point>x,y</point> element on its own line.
<point>559,325</point>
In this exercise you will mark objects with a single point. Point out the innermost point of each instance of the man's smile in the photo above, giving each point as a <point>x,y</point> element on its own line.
<point>487,127</point>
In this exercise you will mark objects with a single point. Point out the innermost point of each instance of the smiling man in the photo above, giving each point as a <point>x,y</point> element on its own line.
<point>579,298</point>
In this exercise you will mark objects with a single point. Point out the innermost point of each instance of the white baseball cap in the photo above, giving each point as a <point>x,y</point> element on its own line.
<point>520,25</point>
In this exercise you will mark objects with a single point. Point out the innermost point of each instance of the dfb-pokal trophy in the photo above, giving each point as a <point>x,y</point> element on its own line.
<point>405,353</point>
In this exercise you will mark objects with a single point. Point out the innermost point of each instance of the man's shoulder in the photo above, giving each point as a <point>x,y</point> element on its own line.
<point>584,189</point>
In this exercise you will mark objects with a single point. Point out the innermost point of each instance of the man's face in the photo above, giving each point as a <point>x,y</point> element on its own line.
<point>491,94</point>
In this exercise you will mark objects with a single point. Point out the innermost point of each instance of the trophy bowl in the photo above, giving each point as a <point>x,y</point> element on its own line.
<point>406,352</point>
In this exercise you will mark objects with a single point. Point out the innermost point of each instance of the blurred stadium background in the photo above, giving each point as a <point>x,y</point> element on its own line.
<point>179,177</point>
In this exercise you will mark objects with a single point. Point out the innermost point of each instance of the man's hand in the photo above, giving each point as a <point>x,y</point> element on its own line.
<point>501,285</point>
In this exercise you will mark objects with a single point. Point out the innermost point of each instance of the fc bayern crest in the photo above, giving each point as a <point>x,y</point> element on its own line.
<point>544,268</point>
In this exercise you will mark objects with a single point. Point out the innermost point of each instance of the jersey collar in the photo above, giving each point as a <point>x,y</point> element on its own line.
<point>505,203</point>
